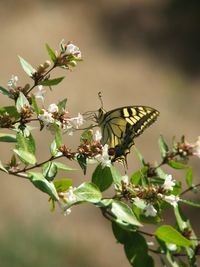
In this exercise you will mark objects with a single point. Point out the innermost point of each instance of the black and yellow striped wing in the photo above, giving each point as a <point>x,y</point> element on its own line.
<point>120,126</point>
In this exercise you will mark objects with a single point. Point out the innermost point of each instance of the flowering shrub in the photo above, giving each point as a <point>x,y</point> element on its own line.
<point>138,200</point>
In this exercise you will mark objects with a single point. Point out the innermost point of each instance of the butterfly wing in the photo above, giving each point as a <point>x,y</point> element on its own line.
<point>120,126</point>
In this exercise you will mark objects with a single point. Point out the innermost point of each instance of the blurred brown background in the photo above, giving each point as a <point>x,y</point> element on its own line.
<point>135,52</point>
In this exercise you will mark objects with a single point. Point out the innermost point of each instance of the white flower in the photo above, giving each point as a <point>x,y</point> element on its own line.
<point>125,179</point>
<point>169,183</point>
<point>173,200</point>
<point>104,158</point>
<point>172,247</point>
<point>53,108</point>
<point>196,147</point>
<point>150,243</point>
<point>149,210</point>
<point>73,50</point>
<point>76,121</point>
<point>140,203</point>
<point>46,118</point>
<point>12,83</point>
<point>67,199</point>
<point>69,195</point>
<point>97,136</point>
<point>40,93</point>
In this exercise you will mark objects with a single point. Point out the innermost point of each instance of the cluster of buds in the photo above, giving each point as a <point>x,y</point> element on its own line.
<point>68,56</point>
<point>42,68</point>
<point>6,121</point>
<point>67,152</point>
<point>147,198</point>
<point>26,113</point>
<point>90,149</point>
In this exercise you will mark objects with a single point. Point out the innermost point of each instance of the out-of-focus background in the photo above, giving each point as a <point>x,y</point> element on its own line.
<point>137,53</point>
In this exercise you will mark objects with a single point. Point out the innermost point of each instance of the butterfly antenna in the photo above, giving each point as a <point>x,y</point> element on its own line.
<point>100,98</point>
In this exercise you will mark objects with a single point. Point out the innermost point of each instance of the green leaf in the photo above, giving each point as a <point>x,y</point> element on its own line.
<point>51,82</point>
<point>45,186</point>
<point>35,105</point>
<point>176,164</point>
<point>5,92</point>
<point>138,175</point>
<point>54,150</point>
<point>62,105</point>
<point>26,143</point>
<point>163,146</point>
<point>51,53</point>
<point>170,235</point>
<point>82,160</point>
<point>11,111</point>
<point>58,135</point>
<point>10,138</point>
<point>2,167</point>
<point>134,245</point>
<point>49,170</point>
<point>88,192</point>
<point>102,177</point>
<point>63,167</point>
<point>25,156</point>
<point>27,67</point>
<point>189,177</point>
<point>139,155</point>
<point>63,185</point>
<point>86,136</point>
<point>22,102</point>
<point>116,176</point>
<point>124,214</point>
<point>190,203</point>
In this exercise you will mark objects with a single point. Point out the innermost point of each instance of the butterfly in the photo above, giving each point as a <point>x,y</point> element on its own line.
<point>120,126</point>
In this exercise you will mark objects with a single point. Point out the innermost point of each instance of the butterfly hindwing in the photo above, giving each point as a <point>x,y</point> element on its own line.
<point>120,126</point>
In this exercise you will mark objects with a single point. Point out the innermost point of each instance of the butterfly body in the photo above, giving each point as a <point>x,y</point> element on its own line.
<point>120,126</point>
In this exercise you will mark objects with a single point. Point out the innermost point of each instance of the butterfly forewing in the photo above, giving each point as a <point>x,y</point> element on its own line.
<point>120,127</point>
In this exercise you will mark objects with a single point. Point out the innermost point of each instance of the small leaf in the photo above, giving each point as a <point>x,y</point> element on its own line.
<point>102,177</point>
<point>189,177</point>
<point>3,168</point>
<point>116,176</point>
<point>124,214</point>
<point>45,186</point>
<point>51,53</point>
<point>82,160</point>
<point>139,155</point>
<point>54,150</point>
<point>49,170</point>
<point>170,235</point>
<point>176,164</point>
<point>10,138</point>
<point>163,146</point>
<point>58,135</point>
<point>5,92</point>
<point>11,110</point>
<point>86,136</point>
<point>138,175</point>
<point>63,167</point>
<point>27,67</point>
<point>51,82</point>
<point>35,106</point>
<point>62,105</point>
<point>63,185</point>
<point>22,102</point>
<point>25,156</point>
<point>26,143</point>
<point>88,192</point>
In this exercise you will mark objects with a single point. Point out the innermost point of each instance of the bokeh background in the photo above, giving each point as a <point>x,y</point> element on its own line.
<point>137,53</point>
